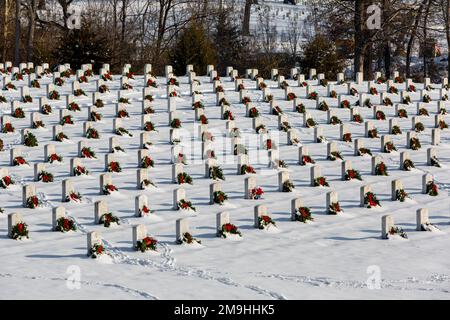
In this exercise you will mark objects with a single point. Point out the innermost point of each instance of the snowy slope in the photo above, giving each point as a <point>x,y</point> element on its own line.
<point>326,259</point>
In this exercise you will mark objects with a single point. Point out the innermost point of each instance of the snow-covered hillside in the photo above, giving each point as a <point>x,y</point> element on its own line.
<point>333,257</point>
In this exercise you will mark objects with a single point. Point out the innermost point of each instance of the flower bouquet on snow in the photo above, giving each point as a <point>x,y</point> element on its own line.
<point>265,222</point>
<point>227,228</point>
<point>65,224</point>
<point>185,205</point>
<point>147,243</point>
<point>19,231</point>
<point>109,219</point>
<point>188,239</point>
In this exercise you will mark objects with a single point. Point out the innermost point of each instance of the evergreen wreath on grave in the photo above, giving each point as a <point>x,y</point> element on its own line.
<point>367,103</point>
<point>219,197</point>
<point>260,129</point>
<point>185,205</point>
<point>123,132</point>
<point>188,238</point>
<point>379,115</point>
<point>149,97</point>
<point>303,214</point>
<point>303,84</point>
<point>59,82</point>
<point>426,98</point>
<point>73,106</point>
<point>435,162</point>
<point>54,157</point>
<point>423,112</point>
<point>345,104</point>
<point>444,97</point>
<point>281,163</point>
<point>173,82</point>
<point>17,77</point>
<point>54,95</point>
<point>372,133</point>
<point>79,171</point>
<point>347,137</point>
<point>152,83</point>
<point>387,102</point>
<point>381,170</point>
<point>109,188</point>
<point>66,120</point>
<point>414,143</point>
<point>220,89</point>
<point>277,111</point>
<point>114,166</point>
<point>147,162</point>
<point>408,164</point>
<point>149,110</point>
<point>334,155</point>
<point>198,105</point>
<point>307,159</point>
<point>203,119</point>
<point>253,112</point>
<point>108,218</point>
<point>45,176</point>
<point>442,111</point>
<point>323,106</point>
<point>291,96</point>
<point>268,144</point>
<point>9,87</point>
<point>27,99</point>
<point>389,147</point>
<point>146,183</point>
<point>419,127</point>
<point>442,125</point>
<point>224,102</point>
<point>228,115</point>
<point>401,195</point>
<point>246,100</point>
<point>396,130</point>
<point>18,113</point>
<point>402,113</point>
<point>406,100</point>
<point>310,123</point>
<point>181,158</point>
<point>19,161</point>
<point>321,182</point>
<point>393,90</point>
<point>247,169</point>
<point>357,118</point>
<point>175,123</point>
<point>264,222</point>
<point>87,152</point>
<point>351,174</point>
<point>256,193</point>
<point>312,95</point>
<point>334,208</point>
<point>79,92</point>
<point>285,126</point>
<point>33,202</point>
<point>353,92</point>
<point>30,140</point>
<point>92,133</point>
<point>103,88</point>
<point>370,199</point>
<point>241,87</point>
<point>333,94</point>
<point>8,128</point>
<point>74,197</point>
<point>334,120</point>
<point>144,211</point>
<point>6,181</point>
<point>83,79</point>
<point>321,139</point>
<point>65,224</point>
<point>432,189</point>
<point>373,91</point>
<point>147,243</point>
<point>123,114</point>
<point>397,231</point>
<point>3,99</point>
<point>228,228</point>
<point>38,124</point>
<point>216,173</point>
<point>284,85</point>
<point>300,108</point>
<point>399,79</point>
<point>288,186</point>
<point>323,82</point>
<point>124,100</point>
<point>19,231</point>
<point>183,177</point>
<point>35,84</point>
<point>411,88</point>
<point>95,116</point>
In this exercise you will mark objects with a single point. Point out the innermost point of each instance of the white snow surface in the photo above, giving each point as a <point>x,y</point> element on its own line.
<point>327,259</point>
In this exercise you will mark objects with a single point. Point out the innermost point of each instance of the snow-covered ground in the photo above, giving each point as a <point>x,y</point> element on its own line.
<point>333,257</point>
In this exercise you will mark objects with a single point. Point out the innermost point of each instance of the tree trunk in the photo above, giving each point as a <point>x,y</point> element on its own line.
<point>447,33</point>
<point>425,34</point>
<point>387,60</point>
<point>31,28</point>
<point>359,38</point>
<point>5,28</point>
<point>17,38</point>
<point>411,40</point>
<point>246,22</point>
